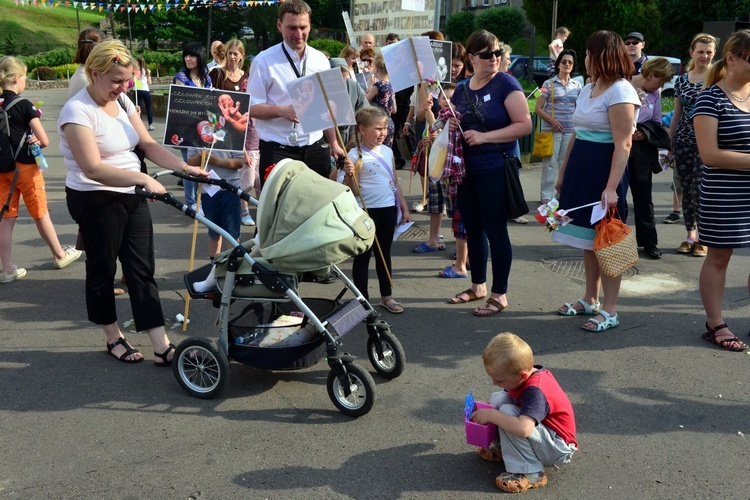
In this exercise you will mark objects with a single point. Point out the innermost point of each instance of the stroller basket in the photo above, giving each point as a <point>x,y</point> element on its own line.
<point>254,322</point>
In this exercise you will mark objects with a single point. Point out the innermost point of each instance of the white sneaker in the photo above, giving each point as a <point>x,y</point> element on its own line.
<point>151,127</point>
<point>71,255</point>
<point>17,274</point>
<point>247,219</point>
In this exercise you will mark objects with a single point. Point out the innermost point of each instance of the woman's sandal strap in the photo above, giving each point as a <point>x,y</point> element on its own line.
<point>163,356</point>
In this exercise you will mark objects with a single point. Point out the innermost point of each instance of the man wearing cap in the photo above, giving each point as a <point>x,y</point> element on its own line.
<point>357,96</point>
<point>271,105</point>
<point>635,43</point>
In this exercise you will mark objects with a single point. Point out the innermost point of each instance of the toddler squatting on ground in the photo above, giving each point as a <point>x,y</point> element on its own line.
<point>534,417</point>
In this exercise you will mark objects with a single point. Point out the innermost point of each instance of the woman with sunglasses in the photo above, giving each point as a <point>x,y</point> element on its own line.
<point>603,122</point>
<point>97,138</point>
<point>494,115</point>
<point>555,107</point>
<point>722,128</point>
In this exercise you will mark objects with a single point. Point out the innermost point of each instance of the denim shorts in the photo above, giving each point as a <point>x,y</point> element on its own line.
<point>223,209</point>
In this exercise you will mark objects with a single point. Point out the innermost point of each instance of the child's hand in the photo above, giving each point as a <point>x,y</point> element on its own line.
<point>348,166</point>
<point>406,217</point>
<point>483,416</point>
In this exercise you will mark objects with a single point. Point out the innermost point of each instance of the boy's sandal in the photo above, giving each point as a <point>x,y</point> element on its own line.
<point>165,362</point>
<point>516,483</point>
<point>486,311</point>
<point>457,299</point>
<point>729,343</point>
<point>450,272</point>
<point>392,305</point>
<point>588,309</point>
<point>129,351</point>
<point>610,321</point>
<point>491,454</point>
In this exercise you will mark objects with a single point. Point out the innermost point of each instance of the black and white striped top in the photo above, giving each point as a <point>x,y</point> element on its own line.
<point>724,217</point>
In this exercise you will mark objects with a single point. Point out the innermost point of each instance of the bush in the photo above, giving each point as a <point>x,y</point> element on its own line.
<point>504,22</point>
<point>460,25</point>
<point>56,57</point>
<point>65,71</point>
<point>333,47</point>
<point>44,73</point>
<point>163,61</point>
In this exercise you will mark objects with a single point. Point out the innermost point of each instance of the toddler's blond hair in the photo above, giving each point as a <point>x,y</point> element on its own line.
<point>508,353</point>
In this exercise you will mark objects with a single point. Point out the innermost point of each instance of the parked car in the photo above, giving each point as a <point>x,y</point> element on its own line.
<point>668,88</point>
<point>519,68</point>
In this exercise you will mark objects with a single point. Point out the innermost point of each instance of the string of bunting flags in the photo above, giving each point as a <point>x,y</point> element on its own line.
<point>146,7</point>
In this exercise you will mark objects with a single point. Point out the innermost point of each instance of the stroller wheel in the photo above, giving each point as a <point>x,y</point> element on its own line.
<point>392,362</point>
<point>362,396</point>
<point>200,367</point>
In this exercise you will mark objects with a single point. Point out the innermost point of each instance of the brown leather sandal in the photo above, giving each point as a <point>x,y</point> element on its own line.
<point>485,311</point>
<point>516,483</point>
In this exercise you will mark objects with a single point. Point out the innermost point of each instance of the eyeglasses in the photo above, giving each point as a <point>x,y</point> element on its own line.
<point>566,62</point>
<point>633,42</point>
<point>487,54</point>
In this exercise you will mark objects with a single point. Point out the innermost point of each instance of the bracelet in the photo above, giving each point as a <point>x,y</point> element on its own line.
<point>185,169</point>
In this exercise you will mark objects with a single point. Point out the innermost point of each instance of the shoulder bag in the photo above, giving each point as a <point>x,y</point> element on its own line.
<point>515,201</point>
<point>543,141</point>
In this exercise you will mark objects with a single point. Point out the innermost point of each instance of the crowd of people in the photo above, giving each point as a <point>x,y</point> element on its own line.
<point>606,137</point>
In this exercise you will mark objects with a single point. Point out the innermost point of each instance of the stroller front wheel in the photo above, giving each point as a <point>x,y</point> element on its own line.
<point>392,362</point>
<point>201,368</point>
<point>362,396</point>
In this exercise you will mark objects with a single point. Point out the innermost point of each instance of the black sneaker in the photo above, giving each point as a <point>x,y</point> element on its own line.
<point>672,218</point>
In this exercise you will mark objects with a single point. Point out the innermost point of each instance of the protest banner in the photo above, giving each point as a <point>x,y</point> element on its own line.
<point>443,52</point>
<point>321,101</point>
<point>409,62</point>
<point>200,118</point>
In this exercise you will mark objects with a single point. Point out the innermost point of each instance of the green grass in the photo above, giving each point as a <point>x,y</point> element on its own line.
<point>43,28</point>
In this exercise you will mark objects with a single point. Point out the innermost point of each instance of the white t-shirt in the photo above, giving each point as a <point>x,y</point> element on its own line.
<point>115,138</point>
<point>376,179</point>
<point>266,84</point>
<point>557,47</point>
<point>591,117</point>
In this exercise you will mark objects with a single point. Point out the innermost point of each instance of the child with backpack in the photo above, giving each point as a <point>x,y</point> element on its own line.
<point>19,175</point>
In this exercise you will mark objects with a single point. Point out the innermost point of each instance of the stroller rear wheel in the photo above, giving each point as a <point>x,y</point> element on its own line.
<point>362,387</point>
<point>392,362</point>
<point>201,368</point>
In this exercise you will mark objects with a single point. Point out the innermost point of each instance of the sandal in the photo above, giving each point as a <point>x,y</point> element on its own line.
<point>588,309</point>
<point>425,248</point>
<point>165,362</point>
<point>486,311</point>
<point>450,272</point>
<point>491,454</point>
<point>392,305</point>
<point>610,321</point>
<point>456,299</point>
<point>129,351</point>
<point>516,483</point>
<point>730,343</point>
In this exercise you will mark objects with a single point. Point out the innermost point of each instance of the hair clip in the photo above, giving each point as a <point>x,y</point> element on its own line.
<point>117,58</point>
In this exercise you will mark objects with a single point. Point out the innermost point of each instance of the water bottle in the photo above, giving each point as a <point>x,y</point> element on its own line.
<point>39,158</point>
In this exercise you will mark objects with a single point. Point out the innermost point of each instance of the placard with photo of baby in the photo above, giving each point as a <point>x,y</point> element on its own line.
<point>309,101</point>
<point>443,51</point>
<point>199,118</point>
<point>403,70</point>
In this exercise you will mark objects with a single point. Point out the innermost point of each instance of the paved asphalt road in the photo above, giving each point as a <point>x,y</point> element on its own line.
<point>660,412</point>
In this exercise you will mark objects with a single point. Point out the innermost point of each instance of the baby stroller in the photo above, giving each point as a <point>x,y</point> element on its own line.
<point>305,224</point>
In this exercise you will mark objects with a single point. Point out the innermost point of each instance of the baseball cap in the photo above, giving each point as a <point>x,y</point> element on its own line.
<point>635,35</point>
<point>338,62</point>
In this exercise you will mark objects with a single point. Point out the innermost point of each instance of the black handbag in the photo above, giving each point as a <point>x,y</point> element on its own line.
<point>515,201</point>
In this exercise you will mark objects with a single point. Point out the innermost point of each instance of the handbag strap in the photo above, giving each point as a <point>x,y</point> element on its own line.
<point>480,119</point>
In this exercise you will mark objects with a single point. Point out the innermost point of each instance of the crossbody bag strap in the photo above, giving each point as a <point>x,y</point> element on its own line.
<point>28,131</point>
<point>480,119</point>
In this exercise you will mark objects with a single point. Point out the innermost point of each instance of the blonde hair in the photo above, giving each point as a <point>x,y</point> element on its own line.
<point>562,30</point>
<point>739,46</point>
<point>237,44</point>
<point>348,51</point>
<point>379,64</point>
<point>509,354</point>
<point>364,118</point>
<point>701,38</point>
<point>105,55</point>
<point>659,67</point>
<point>10,68</point>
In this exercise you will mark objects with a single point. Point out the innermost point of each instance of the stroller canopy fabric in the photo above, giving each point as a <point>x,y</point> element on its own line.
<point>307,222</point>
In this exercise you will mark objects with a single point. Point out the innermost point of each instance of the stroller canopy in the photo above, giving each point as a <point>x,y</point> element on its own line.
<point>307,222</point>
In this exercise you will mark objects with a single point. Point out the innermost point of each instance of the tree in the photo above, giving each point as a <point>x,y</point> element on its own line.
<point>460,25</point>
<point>584,17</point>
<point>506,23</point>
<point>175,25</point>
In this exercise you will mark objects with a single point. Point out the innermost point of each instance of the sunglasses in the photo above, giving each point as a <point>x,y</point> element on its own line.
<point>487,54</point>
<point>566,62</point>
<point>366,60</point>
<point>633,42</point>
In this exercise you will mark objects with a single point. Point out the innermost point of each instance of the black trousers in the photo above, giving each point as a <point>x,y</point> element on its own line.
<point>643,207</point>
<point>385,225</point>
<point>316,156</point>
<point>144,100</point>
<point>116,225</point>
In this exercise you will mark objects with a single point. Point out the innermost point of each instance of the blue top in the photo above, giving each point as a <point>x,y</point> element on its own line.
<point>185,79</point>
<point>489,102</point>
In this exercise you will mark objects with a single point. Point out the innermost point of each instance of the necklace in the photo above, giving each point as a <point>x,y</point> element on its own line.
<point>733,95</point>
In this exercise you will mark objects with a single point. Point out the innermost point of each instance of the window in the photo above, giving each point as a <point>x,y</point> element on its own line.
<point>486,3</point>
